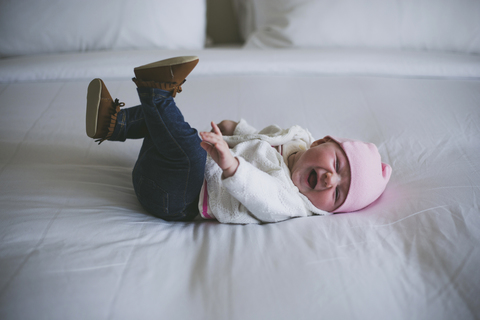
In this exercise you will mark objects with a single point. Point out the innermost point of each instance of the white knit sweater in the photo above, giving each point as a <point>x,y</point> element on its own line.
<point>261,189</point>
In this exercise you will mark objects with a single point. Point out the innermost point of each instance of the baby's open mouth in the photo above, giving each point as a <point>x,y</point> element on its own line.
<point>312,179</point>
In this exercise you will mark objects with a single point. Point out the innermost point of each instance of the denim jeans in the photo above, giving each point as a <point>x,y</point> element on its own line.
<point>169,171</point>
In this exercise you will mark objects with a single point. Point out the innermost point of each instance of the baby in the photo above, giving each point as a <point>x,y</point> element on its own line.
<point>249,176</point>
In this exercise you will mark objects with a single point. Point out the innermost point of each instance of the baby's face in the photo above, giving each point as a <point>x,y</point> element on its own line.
<point>322,174</point>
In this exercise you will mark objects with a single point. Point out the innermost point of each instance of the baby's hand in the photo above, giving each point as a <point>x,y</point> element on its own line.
<point>218,149</point>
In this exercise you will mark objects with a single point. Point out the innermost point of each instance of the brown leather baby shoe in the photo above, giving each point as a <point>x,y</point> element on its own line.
<point>101,111</point>
<point>166,74</point>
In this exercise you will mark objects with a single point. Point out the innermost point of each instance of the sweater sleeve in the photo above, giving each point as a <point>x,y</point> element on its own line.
<point>244,128</point>
<point>266,196</point>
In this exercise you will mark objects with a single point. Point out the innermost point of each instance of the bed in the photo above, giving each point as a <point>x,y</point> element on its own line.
<point>76,244</point>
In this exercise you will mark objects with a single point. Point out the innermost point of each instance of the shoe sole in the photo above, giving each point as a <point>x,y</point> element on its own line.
<point>168,62</point>
<point>94,94</point>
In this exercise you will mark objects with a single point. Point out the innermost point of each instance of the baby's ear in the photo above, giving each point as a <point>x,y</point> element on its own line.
<point>386,171</point>
<point>320,141</point>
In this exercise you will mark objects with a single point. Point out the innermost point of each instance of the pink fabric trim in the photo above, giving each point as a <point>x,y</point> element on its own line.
<point>205,202</point>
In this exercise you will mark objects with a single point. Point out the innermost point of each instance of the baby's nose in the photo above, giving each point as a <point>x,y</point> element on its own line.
<point>330,180</point>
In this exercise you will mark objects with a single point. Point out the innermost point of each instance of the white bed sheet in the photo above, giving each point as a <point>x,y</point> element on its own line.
<point>75,243</point>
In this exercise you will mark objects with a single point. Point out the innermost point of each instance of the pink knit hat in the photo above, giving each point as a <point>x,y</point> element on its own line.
<point>369,176</point>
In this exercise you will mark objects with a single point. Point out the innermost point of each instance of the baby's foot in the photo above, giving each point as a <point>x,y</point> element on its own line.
<point>166,74</point>
<point>101,111</point>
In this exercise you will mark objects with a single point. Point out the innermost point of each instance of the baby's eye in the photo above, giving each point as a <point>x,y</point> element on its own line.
<point>336,164</point>
<point>337,194</point>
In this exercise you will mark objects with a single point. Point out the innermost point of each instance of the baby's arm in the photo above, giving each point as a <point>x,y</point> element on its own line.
<point>266,195</point>
<point>218,149</point>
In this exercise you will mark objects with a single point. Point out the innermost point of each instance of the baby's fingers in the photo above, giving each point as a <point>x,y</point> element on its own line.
<point>207,147</point>
<point>210,137</point>
<point>215,128</point>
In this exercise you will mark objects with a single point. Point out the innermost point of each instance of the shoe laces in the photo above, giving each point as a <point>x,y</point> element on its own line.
<point>113,120</point>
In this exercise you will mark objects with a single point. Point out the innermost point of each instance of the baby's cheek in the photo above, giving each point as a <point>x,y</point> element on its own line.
<point>320,200</point>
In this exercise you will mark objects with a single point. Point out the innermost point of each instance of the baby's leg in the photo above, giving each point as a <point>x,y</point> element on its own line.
<point>169,172</point>
<point>130,125</point>
<point>106,121</point>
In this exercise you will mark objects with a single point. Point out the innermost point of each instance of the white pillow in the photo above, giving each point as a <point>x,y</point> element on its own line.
<point>447,25</point>
<point>46,26</point>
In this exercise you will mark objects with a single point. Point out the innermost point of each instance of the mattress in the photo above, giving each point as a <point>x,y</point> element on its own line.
<point>76,244</point>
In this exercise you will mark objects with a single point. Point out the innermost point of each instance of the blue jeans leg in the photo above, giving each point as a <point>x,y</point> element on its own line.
<point>130,125</point>
<point>169,171</point>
